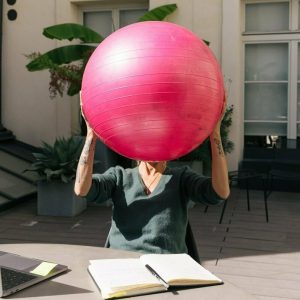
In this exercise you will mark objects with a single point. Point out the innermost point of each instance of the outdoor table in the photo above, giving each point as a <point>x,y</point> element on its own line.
<point>78,284</point>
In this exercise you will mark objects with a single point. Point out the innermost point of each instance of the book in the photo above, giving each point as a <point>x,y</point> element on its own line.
<point>150,273</point>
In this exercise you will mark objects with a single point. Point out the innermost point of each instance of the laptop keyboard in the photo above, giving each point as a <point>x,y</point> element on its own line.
<point>11,278</point>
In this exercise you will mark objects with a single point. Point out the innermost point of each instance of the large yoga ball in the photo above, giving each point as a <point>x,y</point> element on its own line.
<point>152,91</point>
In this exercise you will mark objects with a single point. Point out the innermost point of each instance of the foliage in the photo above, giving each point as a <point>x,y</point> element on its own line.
<point>58,161</point>
<point>159,13</point>
<point>203,151</point>
<point>66,64</point>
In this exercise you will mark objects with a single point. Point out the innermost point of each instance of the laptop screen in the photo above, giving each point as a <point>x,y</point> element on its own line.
<point>17,262</point>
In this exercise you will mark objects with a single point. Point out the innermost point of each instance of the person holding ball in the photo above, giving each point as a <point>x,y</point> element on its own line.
<point>150,201</point>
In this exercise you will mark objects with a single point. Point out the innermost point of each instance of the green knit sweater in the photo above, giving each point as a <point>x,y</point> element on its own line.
<point>154,223</point>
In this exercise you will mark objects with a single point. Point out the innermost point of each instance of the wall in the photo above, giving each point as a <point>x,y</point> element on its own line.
<point>202,17</point>
<point>232,62</point>
<point>27,109</point>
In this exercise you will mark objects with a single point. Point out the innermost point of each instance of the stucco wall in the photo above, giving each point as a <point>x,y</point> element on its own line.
<point>202,17</point>
<point>232,62</point>
<point>27,109</point>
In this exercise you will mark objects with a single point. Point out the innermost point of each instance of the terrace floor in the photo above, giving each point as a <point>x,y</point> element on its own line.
<point>262,258</point>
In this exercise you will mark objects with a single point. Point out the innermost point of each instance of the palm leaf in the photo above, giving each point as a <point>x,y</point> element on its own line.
<point>158,13</point>
<point>59,56</point>
<point>73,89</point>
<point>70,31</point>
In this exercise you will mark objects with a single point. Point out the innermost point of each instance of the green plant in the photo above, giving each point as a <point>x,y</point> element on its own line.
<point>203,151</point>
<point>58,161</point>
<point>66,64</point>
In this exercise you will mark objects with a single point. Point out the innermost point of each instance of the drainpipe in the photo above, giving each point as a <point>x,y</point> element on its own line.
<point>4,133</point>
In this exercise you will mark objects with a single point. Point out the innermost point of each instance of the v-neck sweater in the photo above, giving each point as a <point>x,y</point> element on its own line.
<point>155,222</point>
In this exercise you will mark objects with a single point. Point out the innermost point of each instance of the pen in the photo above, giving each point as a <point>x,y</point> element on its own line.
<point>157,276</point>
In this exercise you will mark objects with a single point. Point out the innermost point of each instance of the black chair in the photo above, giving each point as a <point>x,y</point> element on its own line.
<point>189,240</point>
<point>244,177</point>
<point>191,243</point>
<point>289,179</point>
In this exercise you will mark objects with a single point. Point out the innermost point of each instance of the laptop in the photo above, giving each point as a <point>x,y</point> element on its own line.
<point>19,272</point>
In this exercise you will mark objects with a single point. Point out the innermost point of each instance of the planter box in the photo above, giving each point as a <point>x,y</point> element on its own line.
<point>58,199</point>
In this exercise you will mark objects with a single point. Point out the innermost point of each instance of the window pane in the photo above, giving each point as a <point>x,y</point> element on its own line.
<point>100,21</point>
<point>266,101</point>
<point>130,16</point>
<point>266,62</point>
<point>265,129</point>
<point>266,17</point>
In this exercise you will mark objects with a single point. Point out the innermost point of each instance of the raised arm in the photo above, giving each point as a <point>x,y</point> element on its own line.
<point>219,164</point>
<point>84,172</point>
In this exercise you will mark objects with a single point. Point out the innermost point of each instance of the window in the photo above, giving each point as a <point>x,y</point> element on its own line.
<point>108,16</point>
<point>272,72</point>
<point>267,17</point>
<point>100,21</point>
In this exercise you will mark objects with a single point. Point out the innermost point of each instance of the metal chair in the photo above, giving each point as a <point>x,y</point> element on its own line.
<point>191,243</point>
<point>245,176</point>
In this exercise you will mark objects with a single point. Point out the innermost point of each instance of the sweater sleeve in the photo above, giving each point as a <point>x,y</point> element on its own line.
<point>103,186</point>
<point>199,188</point>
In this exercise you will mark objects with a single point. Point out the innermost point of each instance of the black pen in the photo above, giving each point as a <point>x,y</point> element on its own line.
<point>157,276</point>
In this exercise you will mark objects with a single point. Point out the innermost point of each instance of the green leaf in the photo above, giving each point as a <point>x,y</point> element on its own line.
<point>39,155</point>
<point>59,161</point>
<point>59,56</point>
<point>73,89</point>
<point>158,13</point>
<point>70,31</point>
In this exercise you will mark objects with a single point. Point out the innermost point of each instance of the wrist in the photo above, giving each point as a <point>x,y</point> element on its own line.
<point>215,135</point>
<point>90,134</point>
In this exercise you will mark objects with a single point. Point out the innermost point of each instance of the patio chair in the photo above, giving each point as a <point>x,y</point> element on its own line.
<point>189,240</point>
<point>244,177</point>
<point>279,176</point>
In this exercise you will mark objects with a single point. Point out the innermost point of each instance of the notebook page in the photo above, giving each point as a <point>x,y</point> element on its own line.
<point>178,267</point>
<point>117,274</point>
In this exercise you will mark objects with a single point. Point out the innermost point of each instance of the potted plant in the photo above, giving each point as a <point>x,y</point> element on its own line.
<point>56,165</point>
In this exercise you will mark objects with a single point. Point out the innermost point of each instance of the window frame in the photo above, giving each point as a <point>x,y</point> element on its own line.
<point>291,16</point>
<point>115,7</point>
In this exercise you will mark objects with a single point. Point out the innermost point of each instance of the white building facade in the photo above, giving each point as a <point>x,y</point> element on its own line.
<point>255,42</point>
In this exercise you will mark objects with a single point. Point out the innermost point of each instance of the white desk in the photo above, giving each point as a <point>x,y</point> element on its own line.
<point>78,284</point>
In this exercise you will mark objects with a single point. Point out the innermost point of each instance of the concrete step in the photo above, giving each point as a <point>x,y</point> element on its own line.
<point>18,149</point>
<point>6,135</point>
<point>15,185</point>
<point>16,166</point>
<point>12,187</point>
<point>4,201</point>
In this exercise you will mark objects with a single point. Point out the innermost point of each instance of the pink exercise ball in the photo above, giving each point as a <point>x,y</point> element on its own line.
<point>152,91</point>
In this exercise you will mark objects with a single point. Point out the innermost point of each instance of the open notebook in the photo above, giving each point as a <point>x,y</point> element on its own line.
<point>148,274</point>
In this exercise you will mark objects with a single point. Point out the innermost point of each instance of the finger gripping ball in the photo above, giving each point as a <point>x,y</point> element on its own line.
<point>152,91</point>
